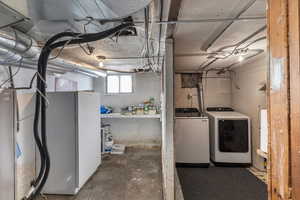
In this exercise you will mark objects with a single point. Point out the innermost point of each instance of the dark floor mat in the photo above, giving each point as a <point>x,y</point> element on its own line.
<point>221,183</point>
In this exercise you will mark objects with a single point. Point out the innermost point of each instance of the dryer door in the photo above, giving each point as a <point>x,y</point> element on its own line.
<point>233,135</point>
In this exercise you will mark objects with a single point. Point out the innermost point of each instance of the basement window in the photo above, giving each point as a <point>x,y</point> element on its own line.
<point>119,84</point>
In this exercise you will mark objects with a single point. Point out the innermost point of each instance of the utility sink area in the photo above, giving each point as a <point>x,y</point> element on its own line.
<point>187,112</point>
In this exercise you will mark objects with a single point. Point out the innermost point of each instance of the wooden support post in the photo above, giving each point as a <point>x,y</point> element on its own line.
<point>294,62</point>
<point>278,101</point>
<point>284,99</point>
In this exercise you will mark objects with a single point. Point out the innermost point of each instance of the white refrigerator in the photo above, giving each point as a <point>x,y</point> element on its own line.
<point>7,146</point>
<point>74,141</point>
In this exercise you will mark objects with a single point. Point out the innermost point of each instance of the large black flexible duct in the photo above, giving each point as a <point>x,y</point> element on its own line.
<point>41,99</point>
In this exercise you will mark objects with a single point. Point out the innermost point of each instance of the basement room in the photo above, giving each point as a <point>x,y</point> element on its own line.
<point>149,99</point>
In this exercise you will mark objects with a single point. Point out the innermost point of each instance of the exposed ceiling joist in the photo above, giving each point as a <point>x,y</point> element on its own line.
<point>173,16</point>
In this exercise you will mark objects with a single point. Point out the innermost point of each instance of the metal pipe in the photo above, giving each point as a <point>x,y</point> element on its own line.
<point>247,58</point>
<point>87,73</point>
<point>200,91</point>
<point>195,21</point>
<point>195,54</point>
<point>17,41</point>
<point>184,21</point>
<point>10,58</point>
<point>245,39</point>
<point>26,66</point>
<point>131,57</point>
<point>204,66</point>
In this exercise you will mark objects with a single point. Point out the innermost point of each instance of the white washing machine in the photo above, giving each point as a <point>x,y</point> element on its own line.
<point>230,137</point>
<point>191,139</point>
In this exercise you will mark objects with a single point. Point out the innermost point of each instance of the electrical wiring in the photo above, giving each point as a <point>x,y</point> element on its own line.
<point>30,84</point>
<point>146,13</point>
<point>78,3</point>
<point>160,29</point>
<point>60,51</point>
<point>10,78</point>
<point>12,75</point>
<point>253,42</point>
<point>237,49</point>
<point>15,96</point>
<point>235,46</point>
<point>145,65</point>
<point>66,44</point>
<point>84,50</point>
<point>87,44</point>
<point>39,127</point>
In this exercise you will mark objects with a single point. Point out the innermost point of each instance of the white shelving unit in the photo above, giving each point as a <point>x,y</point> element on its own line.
<point>120,116</point>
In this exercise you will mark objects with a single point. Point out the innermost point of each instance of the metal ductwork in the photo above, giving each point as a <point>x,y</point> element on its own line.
<point>16,46</point>
<point>54,16</point>
<point>12,59</point>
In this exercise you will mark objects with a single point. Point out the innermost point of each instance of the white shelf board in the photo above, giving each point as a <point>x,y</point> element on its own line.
<point>120,116</point>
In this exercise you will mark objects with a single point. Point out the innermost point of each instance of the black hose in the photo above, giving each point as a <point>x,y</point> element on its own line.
<point>41,103</point>
<point>37,137</point>
<point>42,87</point>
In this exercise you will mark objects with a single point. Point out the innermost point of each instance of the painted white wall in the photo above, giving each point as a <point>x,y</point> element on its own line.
<point>23,77</point>
<point>217,92</point>
<point>133,131</point>
<point>145,85</point>
<point>248,99</point>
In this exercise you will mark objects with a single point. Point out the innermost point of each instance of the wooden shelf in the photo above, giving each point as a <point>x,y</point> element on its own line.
<point>120,116</point>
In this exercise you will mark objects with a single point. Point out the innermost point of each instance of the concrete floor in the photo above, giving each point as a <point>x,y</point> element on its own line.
<point>136,175</point>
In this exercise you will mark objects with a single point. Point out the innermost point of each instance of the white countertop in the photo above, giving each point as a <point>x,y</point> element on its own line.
<point>226,115</point>
<point>203,117</point>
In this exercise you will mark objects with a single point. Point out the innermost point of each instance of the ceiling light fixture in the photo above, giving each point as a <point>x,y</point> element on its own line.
<point>241,59</point>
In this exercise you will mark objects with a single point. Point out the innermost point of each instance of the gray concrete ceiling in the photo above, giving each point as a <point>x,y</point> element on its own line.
<point>192,38</point>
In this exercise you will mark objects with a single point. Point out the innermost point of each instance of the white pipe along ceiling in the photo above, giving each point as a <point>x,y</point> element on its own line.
<point>227,34</point>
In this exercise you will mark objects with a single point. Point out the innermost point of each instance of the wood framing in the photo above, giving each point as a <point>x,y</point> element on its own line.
<point>278,102</point>
<point>283,100</point>
<point>294,53</point>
